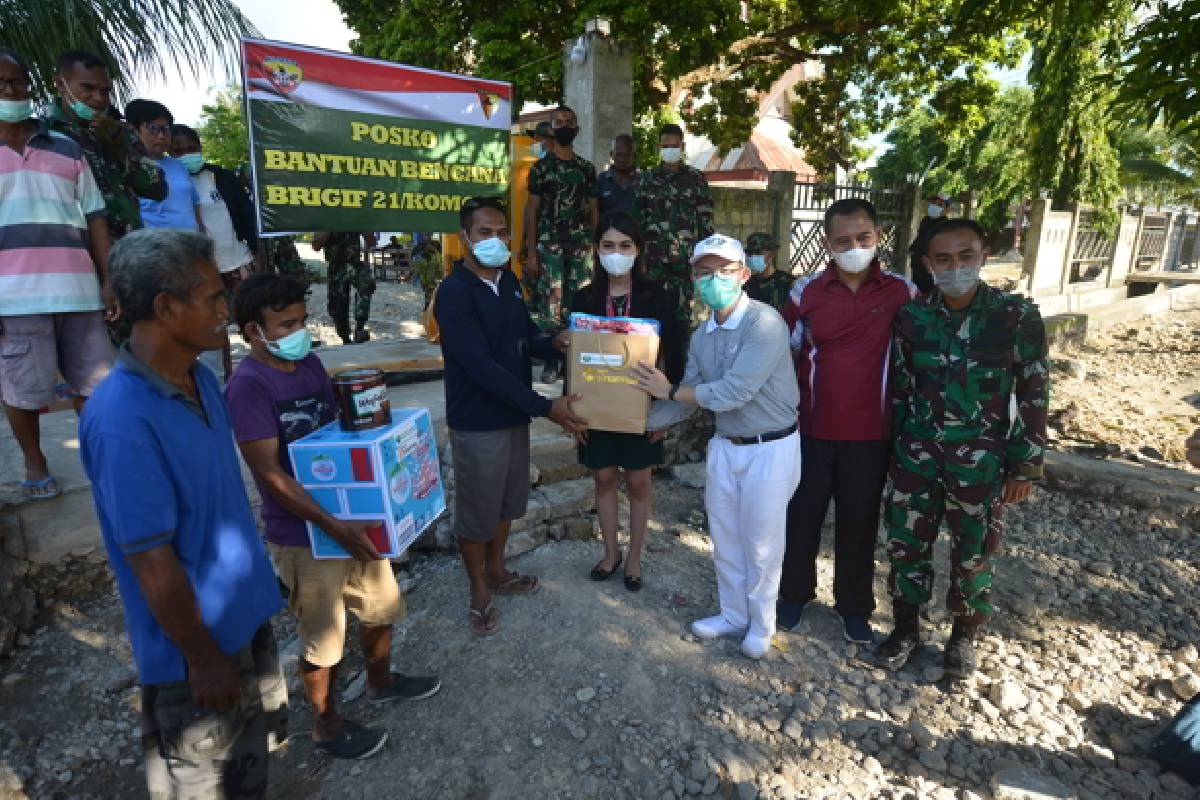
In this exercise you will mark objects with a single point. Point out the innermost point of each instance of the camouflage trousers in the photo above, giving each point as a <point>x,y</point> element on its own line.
<point>194,754</point>
<point>343,277</point>
<point>912,515</point>
<point>564,269</point>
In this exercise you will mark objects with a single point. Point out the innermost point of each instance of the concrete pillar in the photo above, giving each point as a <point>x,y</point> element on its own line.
<point>781,186</point>
<point>907,225</point>
<point>600,89</point>
<point>1038,211</point>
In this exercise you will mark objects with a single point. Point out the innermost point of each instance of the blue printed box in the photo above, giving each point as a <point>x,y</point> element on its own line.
<point>389,475</point>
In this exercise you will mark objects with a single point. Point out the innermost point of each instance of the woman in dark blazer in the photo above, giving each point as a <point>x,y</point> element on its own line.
<point>619,291</point>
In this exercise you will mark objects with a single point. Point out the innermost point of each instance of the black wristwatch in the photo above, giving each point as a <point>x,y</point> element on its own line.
<point>674,389</point>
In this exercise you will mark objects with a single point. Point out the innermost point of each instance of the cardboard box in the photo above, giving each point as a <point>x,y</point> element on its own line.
<point>390,475</point>
<point>599,369</point>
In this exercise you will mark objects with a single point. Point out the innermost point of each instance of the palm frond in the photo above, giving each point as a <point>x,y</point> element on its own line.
<point>136,38</point>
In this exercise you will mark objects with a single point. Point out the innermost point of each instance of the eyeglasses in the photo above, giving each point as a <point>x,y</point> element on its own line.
<point>16,84</point>
<point>160,130</point>
<point>727,271</point>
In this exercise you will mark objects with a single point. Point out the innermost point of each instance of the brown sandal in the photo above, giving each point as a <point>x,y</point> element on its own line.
<point>484,621</point>
<point>518,584</point>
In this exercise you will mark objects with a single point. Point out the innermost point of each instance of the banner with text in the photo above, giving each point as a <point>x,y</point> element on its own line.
<point>345,143</point>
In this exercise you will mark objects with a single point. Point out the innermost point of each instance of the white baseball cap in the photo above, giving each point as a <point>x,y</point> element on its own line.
<point>718,244</point>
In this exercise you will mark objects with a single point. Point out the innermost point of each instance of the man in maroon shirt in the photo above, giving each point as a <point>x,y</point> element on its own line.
<point>841,326</point>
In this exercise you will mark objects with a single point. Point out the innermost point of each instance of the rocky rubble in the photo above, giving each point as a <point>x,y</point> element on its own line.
<point>1131,390</point>
<point>589,691</point>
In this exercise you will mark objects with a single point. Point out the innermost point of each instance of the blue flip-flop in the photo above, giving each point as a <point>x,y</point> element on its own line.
<point>42,485</point>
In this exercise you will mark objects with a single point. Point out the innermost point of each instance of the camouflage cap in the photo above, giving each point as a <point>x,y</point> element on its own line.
<point>758,242</point>
<point>543,130</point>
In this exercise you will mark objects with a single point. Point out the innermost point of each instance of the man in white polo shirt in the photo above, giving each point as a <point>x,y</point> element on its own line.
<point>739,366</point>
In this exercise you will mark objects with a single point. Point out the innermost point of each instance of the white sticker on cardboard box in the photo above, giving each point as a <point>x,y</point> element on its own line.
<point>601,360</point>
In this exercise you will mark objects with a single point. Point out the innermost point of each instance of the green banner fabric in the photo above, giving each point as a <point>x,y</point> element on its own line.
<point>343,143</point>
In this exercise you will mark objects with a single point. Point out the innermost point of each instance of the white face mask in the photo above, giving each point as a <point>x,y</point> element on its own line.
<point>670,155</point>
<point>958,281</point>
<point>617,264</point>
<point>856,259</point>
<point>934,211</point>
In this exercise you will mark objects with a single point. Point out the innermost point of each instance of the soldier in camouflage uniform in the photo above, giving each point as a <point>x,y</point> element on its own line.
<point>767,284</point>
<point>279,254</point>
<point>961,354</point>
<point>123,170</point>
<point>563,197</point>
<point>348,270</point>
<point>675,209</point>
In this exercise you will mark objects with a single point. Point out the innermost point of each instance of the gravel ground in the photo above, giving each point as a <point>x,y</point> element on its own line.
<point>589,691</point>
<point>592,692</point>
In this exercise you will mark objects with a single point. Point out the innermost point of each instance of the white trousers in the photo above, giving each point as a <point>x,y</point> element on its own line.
<point>747,492</point>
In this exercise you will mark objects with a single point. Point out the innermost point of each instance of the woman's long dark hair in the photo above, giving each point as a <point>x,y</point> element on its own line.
<point>625,223</point>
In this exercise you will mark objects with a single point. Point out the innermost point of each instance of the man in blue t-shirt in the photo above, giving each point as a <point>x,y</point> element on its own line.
<point>195,581</point>
<point>181,207</point>
<point>279,394</point>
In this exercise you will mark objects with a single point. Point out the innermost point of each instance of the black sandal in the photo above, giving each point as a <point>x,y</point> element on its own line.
<point>633,583</point>
<point>600,574</point>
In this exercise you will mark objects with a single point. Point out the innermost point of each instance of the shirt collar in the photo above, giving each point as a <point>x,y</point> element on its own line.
<point>735,319</point>
<point>157,382</point>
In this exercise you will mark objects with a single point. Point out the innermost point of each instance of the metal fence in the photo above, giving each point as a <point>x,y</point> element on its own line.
<point>808,252</point>
<point>1095,244</point>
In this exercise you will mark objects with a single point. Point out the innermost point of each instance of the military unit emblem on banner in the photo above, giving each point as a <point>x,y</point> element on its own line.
<point>284,73</point>
<point>490,101</point>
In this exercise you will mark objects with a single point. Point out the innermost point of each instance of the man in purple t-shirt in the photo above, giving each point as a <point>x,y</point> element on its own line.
<point>277,395</point>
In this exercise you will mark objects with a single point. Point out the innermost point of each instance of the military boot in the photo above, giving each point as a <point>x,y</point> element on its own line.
<point>905,638</point>
<point>960,651</point>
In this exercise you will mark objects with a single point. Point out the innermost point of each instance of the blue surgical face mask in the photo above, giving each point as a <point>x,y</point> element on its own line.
<point>192,162</point>
<point>756,263</point>
<point>293,347</point>
<point>670,155</point>
<point>15,110</point>
<point>718,291</point>
<point>491,252</point>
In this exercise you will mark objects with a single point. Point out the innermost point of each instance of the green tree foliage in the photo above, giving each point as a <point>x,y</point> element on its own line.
<point>134,37</point>
<point>1073,155</point>
<point>1161,71</point>
<point>989,154</point>
<point>709,58</point>
<point>223,129</point>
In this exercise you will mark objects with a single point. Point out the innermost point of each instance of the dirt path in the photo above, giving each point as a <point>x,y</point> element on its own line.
<point>592,692</point>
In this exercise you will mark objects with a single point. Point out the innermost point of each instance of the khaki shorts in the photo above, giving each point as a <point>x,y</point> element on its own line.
<point>36,348</point>
<point>322,590</point>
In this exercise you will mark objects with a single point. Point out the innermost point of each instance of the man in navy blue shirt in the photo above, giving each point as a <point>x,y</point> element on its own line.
<point>194,577</point>
<point>488,340</point>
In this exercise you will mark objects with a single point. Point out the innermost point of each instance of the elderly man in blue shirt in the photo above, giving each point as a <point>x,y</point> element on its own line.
<point>194,577</point>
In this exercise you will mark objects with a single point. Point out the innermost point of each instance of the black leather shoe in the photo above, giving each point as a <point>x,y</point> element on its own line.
<point>633,583</point>
<point>598,573</point>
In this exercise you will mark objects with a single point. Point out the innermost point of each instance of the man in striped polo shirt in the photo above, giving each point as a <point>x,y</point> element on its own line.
<point>53,259</point>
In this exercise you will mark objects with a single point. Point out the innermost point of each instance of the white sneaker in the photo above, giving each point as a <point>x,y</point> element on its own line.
<point>715,628</point>
<point>756,646</point>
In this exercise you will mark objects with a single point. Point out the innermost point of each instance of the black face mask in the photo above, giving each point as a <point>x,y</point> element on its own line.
<point>565,136</point>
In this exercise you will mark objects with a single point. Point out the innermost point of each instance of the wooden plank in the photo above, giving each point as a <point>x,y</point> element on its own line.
<point>1163,277</point>
<point>392,355</point>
